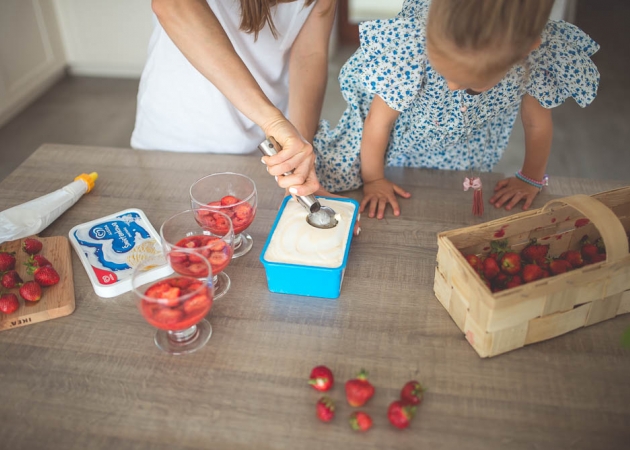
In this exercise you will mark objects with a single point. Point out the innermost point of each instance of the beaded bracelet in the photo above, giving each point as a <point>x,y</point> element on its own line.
<point>535,183</point>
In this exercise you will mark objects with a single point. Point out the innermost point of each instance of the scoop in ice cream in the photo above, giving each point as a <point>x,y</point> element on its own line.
<point>294,241</point>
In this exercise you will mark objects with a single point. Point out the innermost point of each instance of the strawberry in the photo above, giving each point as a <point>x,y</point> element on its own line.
<point>574,257</point>
<point>169,316</point>
<point>36,261</point>
<point>598,258</point>
<point>498,249</point>
<point>11,280</point>
<point>400,415</point>
<point>360,421</point>
<point>514,282</point>
<point>46,276</point>
<point>325,409</point>
<point>511,263</point>
<point>490,268</point>
<point>588,251</point>
<point>321,378</point>
<point>412,393</point>
<point>9,303</point>
<point>31,291</point>
<point>534,252</point>
<point>7,261</point>
<point>216,259</point>
<point>532,272</point>
<point>359,390</point>
<point>545,273</point>
<point>501,280</point>
<point>558,266</point>
<point>243,211</point>
<point>486,282</point>
<point>229,200</point>
<point>474,261</point>
<point>32,246</point>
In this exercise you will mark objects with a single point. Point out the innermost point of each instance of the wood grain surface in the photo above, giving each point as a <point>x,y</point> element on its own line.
<point>95,380</point>
<point>57,300</point>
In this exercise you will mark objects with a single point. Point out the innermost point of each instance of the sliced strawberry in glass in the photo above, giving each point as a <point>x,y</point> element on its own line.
<point>199,304</point>
<point>229,200</point>
<point>167,316</point>
<point>243,211</point>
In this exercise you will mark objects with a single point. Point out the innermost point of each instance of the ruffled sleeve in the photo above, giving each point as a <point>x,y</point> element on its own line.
<point>562,67</point>
<point>394,59</point>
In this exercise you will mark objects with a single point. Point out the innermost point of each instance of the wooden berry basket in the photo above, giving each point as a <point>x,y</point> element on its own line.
<point>507,320</point>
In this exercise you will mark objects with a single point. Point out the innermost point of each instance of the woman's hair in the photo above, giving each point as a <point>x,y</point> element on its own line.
<point>255,14</point>
<point>497,33</point>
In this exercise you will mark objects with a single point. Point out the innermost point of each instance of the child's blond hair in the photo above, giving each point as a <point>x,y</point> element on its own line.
<point>492,35</point>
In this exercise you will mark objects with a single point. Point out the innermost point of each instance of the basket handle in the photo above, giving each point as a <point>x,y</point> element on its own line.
<point>607,223</point>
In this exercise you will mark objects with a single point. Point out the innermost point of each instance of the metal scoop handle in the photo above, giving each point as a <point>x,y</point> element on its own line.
<point>270,147</point>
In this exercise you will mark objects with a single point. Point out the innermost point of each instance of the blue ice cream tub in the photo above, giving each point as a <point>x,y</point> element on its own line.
<point>305,279</point>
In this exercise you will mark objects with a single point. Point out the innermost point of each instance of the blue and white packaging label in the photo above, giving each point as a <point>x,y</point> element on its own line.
<point>112,246</point>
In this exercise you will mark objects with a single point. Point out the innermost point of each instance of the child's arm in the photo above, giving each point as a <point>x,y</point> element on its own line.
<point>538,126</point>
<point>377,190</point>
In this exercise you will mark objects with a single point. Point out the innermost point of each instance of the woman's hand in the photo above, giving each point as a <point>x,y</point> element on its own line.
<point>512,190</point>
<point>296,155</point>
<point>378,193</point>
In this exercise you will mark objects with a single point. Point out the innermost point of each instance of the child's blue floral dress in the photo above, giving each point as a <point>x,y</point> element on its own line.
<point>434,129</point>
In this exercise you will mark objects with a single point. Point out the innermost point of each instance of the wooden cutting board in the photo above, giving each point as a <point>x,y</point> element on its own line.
<point>57,300</point>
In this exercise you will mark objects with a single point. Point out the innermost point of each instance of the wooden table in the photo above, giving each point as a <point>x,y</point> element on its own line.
<point>95,380</point>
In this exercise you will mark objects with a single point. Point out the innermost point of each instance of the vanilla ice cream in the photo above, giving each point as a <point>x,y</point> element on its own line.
<point>294,241</point>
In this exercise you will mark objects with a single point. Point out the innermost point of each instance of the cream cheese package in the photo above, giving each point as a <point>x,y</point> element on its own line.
<point>110,247</point>
<point>300,259</point>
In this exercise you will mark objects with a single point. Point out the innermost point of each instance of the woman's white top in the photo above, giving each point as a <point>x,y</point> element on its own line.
<point>180,110</point>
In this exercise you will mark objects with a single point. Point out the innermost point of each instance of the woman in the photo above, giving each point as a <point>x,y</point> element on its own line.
<point>222,75</point>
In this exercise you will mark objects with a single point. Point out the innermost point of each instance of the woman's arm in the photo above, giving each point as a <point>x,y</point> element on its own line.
<point>377,190</point>
<point>538,126</point>
<point>196,31</point>
<point>308,69</point>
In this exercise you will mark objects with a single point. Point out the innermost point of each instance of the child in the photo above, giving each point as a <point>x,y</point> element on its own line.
<point>440,86</point>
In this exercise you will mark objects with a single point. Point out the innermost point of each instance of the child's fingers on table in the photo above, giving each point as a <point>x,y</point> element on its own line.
<point>394,202</point>
<point>382,204</point>
<point>501,184</point>
<point>364,202</point>
<point>498,194</point>
<point>516,197</point>
<point>528,201</point>
<point>400,191</point>
<point>373,206</point>
<point>502,197</point>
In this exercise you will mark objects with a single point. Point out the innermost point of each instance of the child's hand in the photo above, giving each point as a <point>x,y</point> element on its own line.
<point>378,193</point>
<point>512,190</point>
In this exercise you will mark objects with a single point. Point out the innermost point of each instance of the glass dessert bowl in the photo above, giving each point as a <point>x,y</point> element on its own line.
<point>232,194</point>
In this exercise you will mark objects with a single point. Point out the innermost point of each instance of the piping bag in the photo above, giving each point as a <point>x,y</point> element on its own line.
<point>33,216</point>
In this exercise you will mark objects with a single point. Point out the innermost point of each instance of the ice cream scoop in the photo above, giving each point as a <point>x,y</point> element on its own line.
<point>319,216</point>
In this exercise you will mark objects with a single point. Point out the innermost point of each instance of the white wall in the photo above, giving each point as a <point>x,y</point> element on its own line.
<point>105,37</point>
<point>31,53</point>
